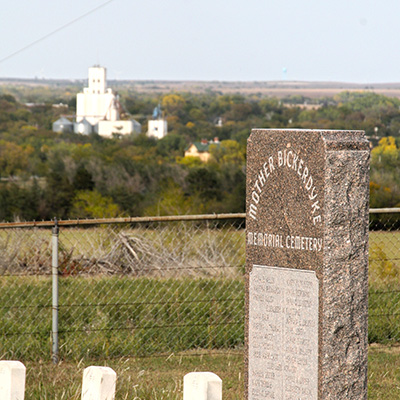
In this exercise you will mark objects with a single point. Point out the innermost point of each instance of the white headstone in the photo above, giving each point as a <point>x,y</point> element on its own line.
<point>12,380</point>
<point>98,383</point>
<point>202,386</point>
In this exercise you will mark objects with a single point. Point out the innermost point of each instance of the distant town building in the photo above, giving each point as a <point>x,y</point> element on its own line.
<point>107,128</point>
<point>96,103</point>
<point>60,105</point>
<point>218,122</point>
<point>157,126</point>
<point>83,127</point>
<point>33,105</point>
<point>98,109</point>
<point>201,149</point>
<point>63,125</point>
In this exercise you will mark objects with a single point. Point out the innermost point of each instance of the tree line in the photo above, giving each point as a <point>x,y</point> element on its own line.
<point>45,174</point>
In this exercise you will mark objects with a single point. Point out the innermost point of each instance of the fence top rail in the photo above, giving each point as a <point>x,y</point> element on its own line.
<point>168,218</point>
<point>126,220</point>
<point>384,210</point>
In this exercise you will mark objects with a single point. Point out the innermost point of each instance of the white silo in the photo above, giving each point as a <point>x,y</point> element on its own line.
<point>63,125</point>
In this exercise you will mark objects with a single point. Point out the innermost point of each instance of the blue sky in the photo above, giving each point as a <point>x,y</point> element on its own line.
<point>315,40</point>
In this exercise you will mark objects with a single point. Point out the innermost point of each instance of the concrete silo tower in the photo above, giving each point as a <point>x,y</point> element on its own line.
<point>98,108</point>
<point>97,80</point>
<point>95,101</point>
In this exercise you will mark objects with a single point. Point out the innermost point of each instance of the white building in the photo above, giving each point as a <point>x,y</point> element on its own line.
<point>157,127</point>
<point>96,103</point>
<point>100,107</point>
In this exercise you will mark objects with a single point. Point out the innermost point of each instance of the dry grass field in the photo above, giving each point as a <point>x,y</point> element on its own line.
<point>277,89</point>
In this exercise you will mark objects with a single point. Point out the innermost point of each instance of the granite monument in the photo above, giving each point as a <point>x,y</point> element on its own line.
<point>307,264</point>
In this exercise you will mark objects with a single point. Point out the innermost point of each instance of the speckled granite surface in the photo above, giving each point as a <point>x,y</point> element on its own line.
<point>307,209</point>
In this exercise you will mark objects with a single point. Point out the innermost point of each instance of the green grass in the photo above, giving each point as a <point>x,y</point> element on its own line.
<point>384,287</point>
<point>383,373</point>
<point>384,321</point>
<point>384,260</point>
<point>101,317</point>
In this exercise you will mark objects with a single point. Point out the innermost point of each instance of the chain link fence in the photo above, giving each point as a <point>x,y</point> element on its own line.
<point>151,286</point>
<point>384,277</point>
<point>128,288</point>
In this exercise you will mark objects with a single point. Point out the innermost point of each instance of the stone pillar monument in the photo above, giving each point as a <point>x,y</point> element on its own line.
<point>307,265</point>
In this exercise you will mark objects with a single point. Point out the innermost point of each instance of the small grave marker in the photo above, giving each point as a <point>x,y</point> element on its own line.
<point>12,380</point>
<point>202,386</point>
<point>98,383</point>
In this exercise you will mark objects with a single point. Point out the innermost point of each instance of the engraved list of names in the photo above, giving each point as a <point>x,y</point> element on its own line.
<point>283,334</point>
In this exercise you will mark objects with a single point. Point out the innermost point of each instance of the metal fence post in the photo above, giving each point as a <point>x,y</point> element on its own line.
<point>54,271</point>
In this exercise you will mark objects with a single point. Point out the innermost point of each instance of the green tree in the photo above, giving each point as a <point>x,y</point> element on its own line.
<point>171,200</point>
<point>58,192</point>
<point>228,152</point>
<point>171,146</point>
<point>386,154</point>
<point>204,183</point>
<point>91,204</point>
<point>83,179</point>
<point>173,104</point>
<point>13,158</point>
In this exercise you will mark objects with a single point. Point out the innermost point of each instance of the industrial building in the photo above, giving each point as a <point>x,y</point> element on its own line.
<point>98,110</point>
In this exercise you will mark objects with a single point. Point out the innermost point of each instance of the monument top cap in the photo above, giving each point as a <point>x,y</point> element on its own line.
<point>333,139</point>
